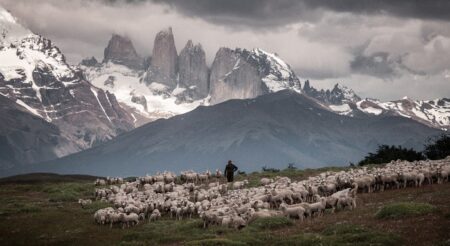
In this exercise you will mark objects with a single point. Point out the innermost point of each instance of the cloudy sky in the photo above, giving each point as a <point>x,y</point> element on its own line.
<point>381,48</point>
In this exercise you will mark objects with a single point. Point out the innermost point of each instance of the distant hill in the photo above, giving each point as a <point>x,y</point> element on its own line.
<point>45,178</point>
<point>271,130</point>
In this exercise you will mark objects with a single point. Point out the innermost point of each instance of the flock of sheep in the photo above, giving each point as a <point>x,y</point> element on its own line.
<point>233,205</point>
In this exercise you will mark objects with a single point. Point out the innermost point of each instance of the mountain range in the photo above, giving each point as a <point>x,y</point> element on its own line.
<point>172,110</point>
<point>270,130</point>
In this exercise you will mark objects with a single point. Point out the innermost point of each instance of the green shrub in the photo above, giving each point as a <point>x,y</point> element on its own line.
<point>386,153</point>
<point>438,147</point>
<point>404,209</point>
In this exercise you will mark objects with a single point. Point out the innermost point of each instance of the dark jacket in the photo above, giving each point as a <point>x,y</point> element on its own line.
<point>230,168</point>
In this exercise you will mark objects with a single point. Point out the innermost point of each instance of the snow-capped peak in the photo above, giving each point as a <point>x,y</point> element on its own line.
<point>279,75</point>
<point>347,94</point>
<point>344,101</point>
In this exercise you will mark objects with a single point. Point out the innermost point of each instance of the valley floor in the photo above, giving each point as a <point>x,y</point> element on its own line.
<point>37,212</point>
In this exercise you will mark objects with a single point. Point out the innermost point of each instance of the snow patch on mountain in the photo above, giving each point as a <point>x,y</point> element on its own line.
<point>127,85</point>
<point>280,75</point>
<point>343,109</point>
<point>373,109</point>
<point>344,101</point>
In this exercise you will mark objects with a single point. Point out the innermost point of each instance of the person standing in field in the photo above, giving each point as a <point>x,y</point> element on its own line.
<point>230,168</point>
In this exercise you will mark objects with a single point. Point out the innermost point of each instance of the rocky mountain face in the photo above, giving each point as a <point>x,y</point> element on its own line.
<point>344,101</point>
<point>435,113</point>
<point>175,84</point>
<point>241,74</point>
<point>120,50</point>
<point>164,63</point>
<point>338,95</point>
<point>233,77</point>
<point>271,130</point>
<point>35,75</point>
<point>193,71</point>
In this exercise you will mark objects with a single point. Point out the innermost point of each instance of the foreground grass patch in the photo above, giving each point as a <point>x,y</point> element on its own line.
<point>171,231</point>
<point>68,192</point>
<point>343,234</point>
<point>18,208</point>
<point>271,223</point>
<point>404,209</point>
<point>215,242</point>
<point>96,205</point>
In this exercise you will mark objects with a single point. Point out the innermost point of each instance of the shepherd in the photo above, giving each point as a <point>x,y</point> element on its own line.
<point>230,168</point>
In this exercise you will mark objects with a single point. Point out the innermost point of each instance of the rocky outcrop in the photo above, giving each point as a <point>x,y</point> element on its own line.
<point>89,62</point>
<point>193,72</point>
<point>232,77</point>
<point>163,65</point>
<point>241,74</point>
<point>140,100</point>
<point>338,95</point>
<point>120,50</point>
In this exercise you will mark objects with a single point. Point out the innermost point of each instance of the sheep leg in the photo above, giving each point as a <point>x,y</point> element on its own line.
<point>291,200</point>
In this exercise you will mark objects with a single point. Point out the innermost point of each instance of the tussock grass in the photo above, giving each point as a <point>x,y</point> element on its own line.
<point>404,209</point>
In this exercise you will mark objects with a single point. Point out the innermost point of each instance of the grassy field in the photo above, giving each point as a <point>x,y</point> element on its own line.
<point>42,209</point>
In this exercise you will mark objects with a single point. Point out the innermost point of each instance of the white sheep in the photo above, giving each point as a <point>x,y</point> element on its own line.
<point>84,202</point>
<point>240,184</point>
<point>318,207</point>
<point>155,215</point>
<point>129,219</point>
<point>266,181</point>
<point>154,196</point>
<point>293,211</point>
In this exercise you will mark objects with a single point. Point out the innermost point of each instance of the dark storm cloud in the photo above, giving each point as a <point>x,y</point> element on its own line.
<point>421,9</point>
<point>378,64</point>
<point>368,45</point>
<point>260,13</point>
<point>238,13</point>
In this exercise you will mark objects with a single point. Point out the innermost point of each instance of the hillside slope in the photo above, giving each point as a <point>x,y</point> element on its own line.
<point>271,130</point>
